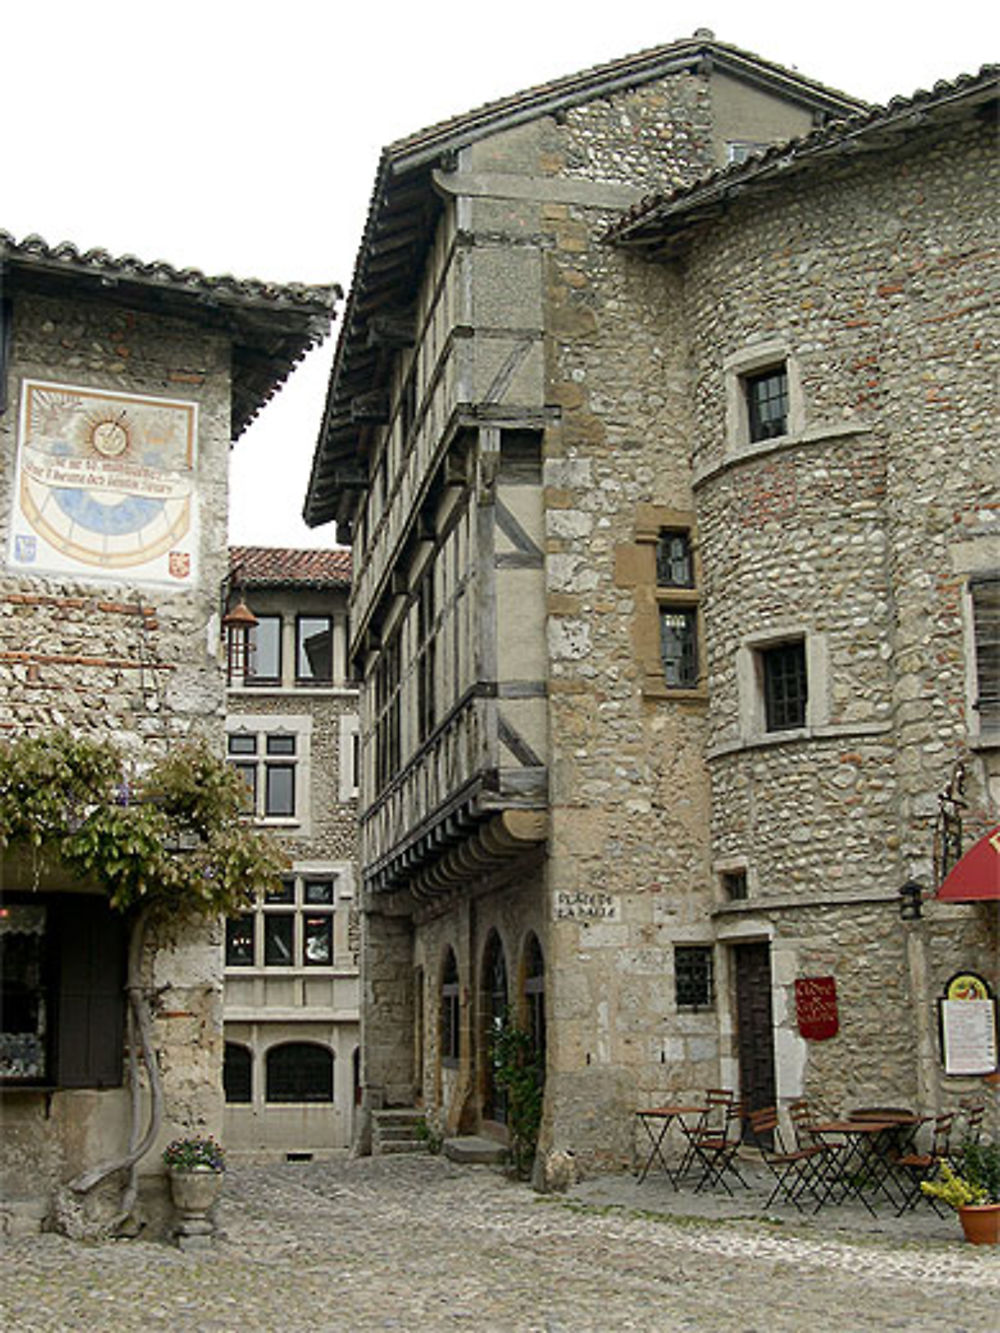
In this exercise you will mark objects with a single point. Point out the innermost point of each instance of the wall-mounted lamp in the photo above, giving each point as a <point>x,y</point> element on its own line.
<point>237,624</point>
<point>910,897</point>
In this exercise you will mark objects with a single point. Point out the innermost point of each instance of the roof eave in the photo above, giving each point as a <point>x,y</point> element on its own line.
<point>662,225</point>
<point>271,327</point>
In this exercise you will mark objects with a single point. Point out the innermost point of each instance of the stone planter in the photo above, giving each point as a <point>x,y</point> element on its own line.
<point>193,1193</point>
<point>981,1223</point>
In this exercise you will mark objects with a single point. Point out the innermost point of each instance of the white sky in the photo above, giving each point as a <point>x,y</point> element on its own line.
<point>242,137</point>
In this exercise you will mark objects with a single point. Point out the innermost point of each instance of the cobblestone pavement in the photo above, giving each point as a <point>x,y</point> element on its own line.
<point>416,1243</point>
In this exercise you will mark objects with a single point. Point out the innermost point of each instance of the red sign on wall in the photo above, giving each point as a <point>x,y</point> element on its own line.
<point>816,1007</point>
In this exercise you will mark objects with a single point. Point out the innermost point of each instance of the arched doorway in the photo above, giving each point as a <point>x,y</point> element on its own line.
<point>494,1011</point>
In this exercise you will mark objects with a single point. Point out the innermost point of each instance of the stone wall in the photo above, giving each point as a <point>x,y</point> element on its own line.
<point>138,665</point>
<point>858,530</point>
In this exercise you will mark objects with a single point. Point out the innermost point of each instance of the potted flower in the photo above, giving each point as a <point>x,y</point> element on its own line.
<point>974,1191</point>
<point>195,1168</point>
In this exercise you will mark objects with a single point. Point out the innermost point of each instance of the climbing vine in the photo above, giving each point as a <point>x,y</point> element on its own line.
<point>517,1071</point>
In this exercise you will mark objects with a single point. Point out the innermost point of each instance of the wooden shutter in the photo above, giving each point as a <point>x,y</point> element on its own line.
<point>89,993</point>
<point>986,609</point>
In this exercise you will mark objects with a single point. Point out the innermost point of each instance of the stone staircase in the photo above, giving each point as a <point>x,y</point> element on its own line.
<point>395,1130</point>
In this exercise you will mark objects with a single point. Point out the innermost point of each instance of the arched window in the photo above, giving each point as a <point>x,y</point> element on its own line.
<point>494,991</point>
<point>450,1015</point>
<point>237,1073</point>
<point>299,1071</point>
<point>534,995</point>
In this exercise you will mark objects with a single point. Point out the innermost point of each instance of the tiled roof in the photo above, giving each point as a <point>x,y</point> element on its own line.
<point>281,566</point>
<point>658,221</point>
<point>271,325</point>
<point>626,72</point>
<point>404,208</point>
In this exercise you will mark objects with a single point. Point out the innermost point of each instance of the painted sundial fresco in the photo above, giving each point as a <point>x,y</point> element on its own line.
<point>105,485</point>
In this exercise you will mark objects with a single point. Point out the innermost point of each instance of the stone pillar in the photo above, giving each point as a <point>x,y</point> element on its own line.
<point>386,1015</point>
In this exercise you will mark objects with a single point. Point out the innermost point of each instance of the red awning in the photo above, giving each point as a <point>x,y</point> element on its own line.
<point>976,878</point>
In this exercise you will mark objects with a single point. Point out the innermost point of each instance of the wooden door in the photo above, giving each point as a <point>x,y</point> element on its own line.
<point>754,1024</point>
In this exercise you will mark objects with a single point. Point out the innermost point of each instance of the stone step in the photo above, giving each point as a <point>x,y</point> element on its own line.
<point>475,1150</point>
<point>394,1130</point>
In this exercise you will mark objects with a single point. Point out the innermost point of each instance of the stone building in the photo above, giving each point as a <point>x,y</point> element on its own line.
<point>840,304</point>
<point>643,570</point>
<point>122,385</point>
<point>291,988</point>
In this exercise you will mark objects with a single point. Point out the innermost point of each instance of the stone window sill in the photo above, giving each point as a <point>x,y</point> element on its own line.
<point>797,735</point>
<point>659,689</point>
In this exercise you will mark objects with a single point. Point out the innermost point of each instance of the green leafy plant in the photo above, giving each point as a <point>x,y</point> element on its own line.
<point>518,1072</point>
<point>431,1138</point>
<point>194,1155</point>
<point>978,1182</point>
<point>981,1167</point>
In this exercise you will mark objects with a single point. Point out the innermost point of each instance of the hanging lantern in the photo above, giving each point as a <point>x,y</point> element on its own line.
<point>237,624</point>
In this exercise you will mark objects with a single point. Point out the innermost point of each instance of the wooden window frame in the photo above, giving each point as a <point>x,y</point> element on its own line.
<point>984,596</point>
<point>311,681</point>
<point>251,676</point>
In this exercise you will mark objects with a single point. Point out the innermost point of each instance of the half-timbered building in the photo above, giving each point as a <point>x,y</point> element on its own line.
<point>505,445</point>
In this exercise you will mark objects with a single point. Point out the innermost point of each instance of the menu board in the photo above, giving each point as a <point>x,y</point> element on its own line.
<point>969,1036</point>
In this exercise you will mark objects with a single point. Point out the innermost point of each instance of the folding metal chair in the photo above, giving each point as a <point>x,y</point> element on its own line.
<point>913,1168</point>
<point>796,1171</point>
<point>823,1177</point>
<point>711,1121</point>
<point>715,1146</point>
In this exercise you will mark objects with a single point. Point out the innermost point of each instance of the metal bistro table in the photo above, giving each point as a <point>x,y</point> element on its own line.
<point>656,1121</point>
<point>860,1166</point>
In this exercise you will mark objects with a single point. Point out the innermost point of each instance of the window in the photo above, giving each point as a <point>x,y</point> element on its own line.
<point>674,560</point>
<point>426,641</point>
<point>679,648</point>
<point>767,403</point>
<point>269,762</point>
<point>299,1071</point>
<point>313,650</point>
<point>62,972</point>
<point>349,756</point>
<point>240,933</point>
<point>985,592</point>
<point>237,1073</point>
<point>738,150</point>
<point>677,602</point>
<point>264,660</point>
<point>693,976</point>
<point>785,685</point>
<point>450,1011</point>
<point>734,884</point>
<point>764,399</point>
<point>534,995</point>
<point>292,927</point>
<point>387,683</point>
